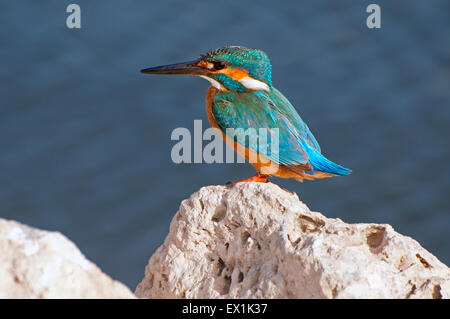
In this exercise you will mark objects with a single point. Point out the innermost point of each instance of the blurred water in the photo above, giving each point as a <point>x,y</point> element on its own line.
<point>85,138</point>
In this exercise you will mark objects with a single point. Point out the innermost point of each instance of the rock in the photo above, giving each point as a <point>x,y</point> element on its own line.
<point>42,264</point>
<point>257,240</point>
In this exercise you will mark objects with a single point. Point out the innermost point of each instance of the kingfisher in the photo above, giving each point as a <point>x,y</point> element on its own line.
<point>242,99</point>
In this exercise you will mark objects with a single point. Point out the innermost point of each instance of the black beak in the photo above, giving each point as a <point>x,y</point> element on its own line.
<point>190,67</point>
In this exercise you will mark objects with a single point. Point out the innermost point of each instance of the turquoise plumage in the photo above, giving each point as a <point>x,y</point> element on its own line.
<point>242,100</point>
<point>262,109</point>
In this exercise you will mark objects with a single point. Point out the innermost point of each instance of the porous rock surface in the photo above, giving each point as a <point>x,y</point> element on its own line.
<point>42,264</point>
<point>256,240</point>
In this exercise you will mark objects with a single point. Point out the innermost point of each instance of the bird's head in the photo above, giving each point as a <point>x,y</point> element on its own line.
<point>230,68</point>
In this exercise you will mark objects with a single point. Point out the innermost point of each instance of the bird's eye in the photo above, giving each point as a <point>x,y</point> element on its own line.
<point>218,65</point>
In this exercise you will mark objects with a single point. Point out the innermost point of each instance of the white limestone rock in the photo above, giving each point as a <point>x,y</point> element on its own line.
<point>42,264</point>
<point>257,240</point>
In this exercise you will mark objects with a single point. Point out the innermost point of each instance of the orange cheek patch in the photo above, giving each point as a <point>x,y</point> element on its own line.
<point>235,74</point>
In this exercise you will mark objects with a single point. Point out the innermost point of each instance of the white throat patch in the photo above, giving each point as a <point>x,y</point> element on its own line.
<point>214,83</point>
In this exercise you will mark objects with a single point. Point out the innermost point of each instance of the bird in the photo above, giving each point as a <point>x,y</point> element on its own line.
<point>242,99</point>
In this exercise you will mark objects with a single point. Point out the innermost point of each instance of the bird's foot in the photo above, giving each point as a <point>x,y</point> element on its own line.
<point>260,178</point>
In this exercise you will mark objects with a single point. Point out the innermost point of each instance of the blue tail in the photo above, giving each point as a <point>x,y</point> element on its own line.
<point>322,164</point>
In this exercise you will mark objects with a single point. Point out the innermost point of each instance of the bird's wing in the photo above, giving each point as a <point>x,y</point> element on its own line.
<point>286,107</point>
<point>268,110</point>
